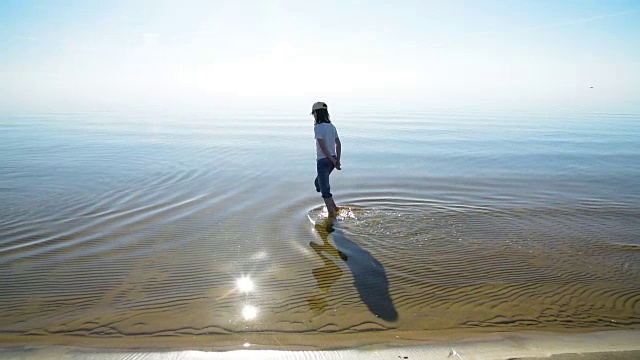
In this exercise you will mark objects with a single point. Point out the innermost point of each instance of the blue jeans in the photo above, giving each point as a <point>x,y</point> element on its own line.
<point>325,167</point>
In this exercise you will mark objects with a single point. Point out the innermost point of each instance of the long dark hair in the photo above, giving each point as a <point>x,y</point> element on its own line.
<point>321,116</point>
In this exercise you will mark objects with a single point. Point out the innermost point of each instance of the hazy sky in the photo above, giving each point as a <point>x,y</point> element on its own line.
<point>90,53</point>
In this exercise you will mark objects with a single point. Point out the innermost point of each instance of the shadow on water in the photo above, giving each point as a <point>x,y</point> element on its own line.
<point>369,276</point>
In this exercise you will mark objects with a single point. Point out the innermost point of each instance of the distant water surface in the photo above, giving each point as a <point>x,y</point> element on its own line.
<point>118,225</point>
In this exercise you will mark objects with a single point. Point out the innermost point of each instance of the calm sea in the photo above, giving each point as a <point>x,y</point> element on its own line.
<point>204,230</point>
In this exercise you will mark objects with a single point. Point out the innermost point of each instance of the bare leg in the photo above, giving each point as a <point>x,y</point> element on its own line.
<point>332,208</point>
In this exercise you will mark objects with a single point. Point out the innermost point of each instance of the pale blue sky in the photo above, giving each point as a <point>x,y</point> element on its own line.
<point>200,54</point>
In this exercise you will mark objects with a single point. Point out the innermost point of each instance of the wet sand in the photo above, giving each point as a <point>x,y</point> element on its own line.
<point>616,345</point>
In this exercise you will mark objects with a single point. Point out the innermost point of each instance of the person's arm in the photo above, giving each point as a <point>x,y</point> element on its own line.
<point>338,153</point>
<point>325,151</point>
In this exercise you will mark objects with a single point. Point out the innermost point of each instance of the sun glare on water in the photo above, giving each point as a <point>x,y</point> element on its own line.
<point>249,312</point>
<point>245,285</point>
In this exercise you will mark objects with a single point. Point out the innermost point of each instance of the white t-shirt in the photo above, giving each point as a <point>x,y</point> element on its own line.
<point>328,134</point>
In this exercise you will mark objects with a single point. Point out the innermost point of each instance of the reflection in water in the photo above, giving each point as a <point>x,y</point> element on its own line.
<point>368,273</point>
<point>249,312</point>
<point>245,284</point>
<point>327,274</point>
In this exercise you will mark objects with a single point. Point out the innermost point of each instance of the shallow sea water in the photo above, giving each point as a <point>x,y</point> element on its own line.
<point>168,229</point>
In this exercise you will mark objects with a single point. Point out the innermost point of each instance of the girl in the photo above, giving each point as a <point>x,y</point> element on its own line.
<point>328,149</point>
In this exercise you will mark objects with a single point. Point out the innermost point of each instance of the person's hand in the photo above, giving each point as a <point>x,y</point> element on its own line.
<point>338,165</point>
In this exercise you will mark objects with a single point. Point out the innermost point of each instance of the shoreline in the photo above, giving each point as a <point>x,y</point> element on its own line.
<point>614,344</point>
